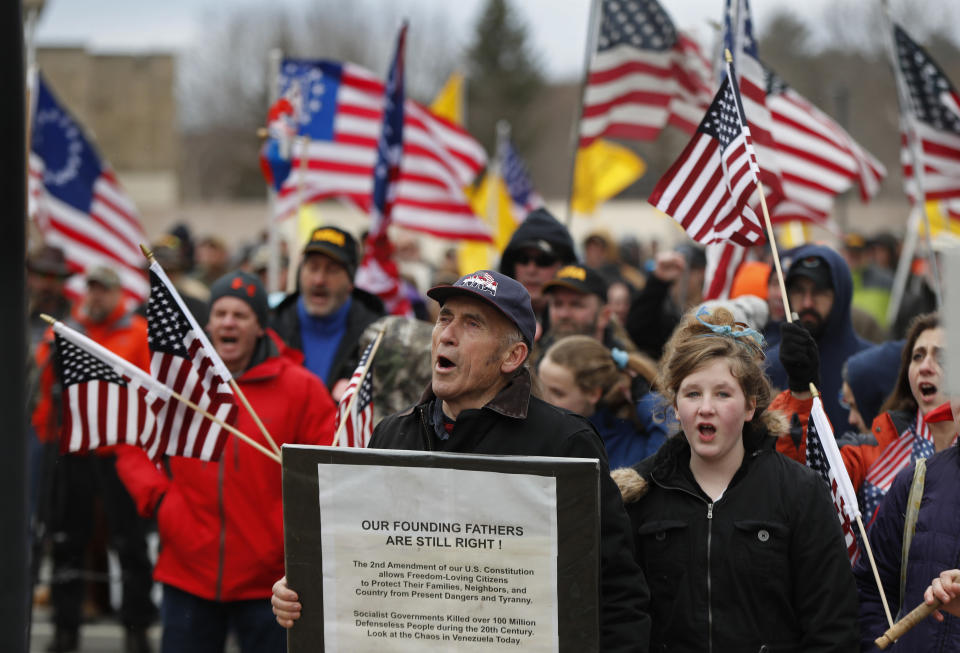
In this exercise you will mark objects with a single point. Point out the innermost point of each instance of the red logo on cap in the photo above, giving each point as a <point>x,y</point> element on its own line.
<point>237,283</point>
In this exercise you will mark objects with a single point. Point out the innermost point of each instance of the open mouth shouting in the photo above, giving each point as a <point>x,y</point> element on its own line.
<point>706,431</point>
<point>444,364</point>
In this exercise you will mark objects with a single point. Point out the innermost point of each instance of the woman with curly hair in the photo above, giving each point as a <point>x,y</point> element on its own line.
<point>741,546</point>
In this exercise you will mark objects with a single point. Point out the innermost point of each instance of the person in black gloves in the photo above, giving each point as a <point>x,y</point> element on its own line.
<point>819,289</point>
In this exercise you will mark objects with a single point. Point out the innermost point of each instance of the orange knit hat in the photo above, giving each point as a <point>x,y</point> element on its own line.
<point>751,279</point>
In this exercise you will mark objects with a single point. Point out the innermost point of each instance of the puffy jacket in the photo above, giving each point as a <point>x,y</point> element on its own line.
<point>516,423</point>
<point>934,548</point>
<point>858,455</point>
<point>221,523</point>
<point>763,568</point>
<point>122,333</point>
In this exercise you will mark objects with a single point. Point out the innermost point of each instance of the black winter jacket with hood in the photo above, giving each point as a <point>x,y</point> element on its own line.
<point>764,568</point>
<point>517,423</point>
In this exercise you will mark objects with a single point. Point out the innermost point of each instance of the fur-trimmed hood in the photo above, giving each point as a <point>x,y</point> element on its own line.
<point>633,481</point>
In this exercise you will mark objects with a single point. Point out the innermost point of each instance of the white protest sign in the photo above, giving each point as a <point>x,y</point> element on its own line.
<point>413,561</point>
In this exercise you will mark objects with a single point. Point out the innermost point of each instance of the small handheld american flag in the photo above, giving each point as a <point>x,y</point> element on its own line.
<point>354,424</point>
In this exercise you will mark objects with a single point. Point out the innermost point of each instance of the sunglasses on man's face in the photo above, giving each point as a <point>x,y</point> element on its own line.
<point>540,259</point>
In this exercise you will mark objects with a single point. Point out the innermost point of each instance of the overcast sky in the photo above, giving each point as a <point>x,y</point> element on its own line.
<point>558,26</point>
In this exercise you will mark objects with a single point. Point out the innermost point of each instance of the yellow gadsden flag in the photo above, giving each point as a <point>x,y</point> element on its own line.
<point>491,201</point>
<point>449,101</point>
<point>603,170</point>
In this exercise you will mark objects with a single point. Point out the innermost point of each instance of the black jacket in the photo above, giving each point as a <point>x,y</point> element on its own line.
<point>516,423</point>
<point>764,568</point>
<point>365,309</point>
<point>652,317</point>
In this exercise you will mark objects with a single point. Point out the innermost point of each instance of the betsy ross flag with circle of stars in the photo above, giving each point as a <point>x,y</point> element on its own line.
<point>183,360</point>
<point>933,115</point>
<point>101,407</point>
<point>708,188</point>
<point>358,417</point>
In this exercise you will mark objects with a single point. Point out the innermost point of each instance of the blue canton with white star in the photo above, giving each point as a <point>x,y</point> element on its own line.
<point>721,120</point>
<point>312,88</point>
<point>167,327</point>
<point>641,24</point>
<point>925,82</point>
<point>79,366</point>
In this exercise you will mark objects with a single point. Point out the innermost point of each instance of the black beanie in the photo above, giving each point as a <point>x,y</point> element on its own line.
<point>245,286</point>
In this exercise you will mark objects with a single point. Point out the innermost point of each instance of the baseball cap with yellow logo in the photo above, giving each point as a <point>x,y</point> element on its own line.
<point>335,243</point>
<point>579,278</point>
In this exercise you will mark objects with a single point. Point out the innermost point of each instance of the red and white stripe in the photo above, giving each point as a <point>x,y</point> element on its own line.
<point>440,159</point>
<point>633,94</point>
<point>108,236</point>
<point>723,261</point>
<point>818,159</point>
<point>897,455</point>
<point>101,414</point>
<point>940,152</point>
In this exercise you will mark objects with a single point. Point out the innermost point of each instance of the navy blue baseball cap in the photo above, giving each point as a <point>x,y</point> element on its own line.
<point>500,291</point>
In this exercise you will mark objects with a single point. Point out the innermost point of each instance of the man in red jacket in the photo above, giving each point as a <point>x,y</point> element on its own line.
<point>221,523</point>
<point>76,480</point>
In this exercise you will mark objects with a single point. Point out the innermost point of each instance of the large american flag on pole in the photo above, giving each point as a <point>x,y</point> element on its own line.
<point>106,399</point>
<point>933,115</point>
<point>185,361</point>
<point>823,456</point>
<point>707,190</point>
<point>357,414</point>
<point>76,200</point>
<point>644,75</point>
<point>339,107</point>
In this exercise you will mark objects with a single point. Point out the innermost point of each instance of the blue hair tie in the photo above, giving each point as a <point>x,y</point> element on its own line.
<point>736,331</point>
<point>620,357</point>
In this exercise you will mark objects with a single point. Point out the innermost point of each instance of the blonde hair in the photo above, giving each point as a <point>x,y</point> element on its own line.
<point>695,343</point>
<point>592,366</point>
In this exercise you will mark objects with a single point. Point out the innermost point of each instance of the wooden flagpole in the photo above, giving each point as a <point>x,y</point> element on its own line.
<point>353,399</point>
<point>212,352</point>
<point>201,411</point>
<point>763,199</point>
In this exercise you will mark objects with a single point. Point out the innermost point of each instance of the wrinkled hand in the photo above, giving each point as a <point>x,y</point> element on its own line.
<point>946,589</point>
<point>285,603</point>
<point>799,357</point>
<point>669,266</point>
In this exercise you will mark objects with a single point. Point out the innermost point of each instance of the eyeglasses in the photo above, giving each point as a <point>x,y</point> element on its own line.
<point>541,260</point>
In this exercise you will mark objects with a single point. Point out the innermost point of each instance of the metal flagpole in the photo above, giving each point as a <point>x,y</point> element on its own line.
<point>904,265</point>
<point>593,27</point>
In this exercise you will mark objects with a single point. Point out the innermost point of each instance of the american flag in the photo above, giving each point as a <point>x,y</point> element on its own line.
<point>340,109</point>
<point>914,443</point>
<point>933,115</point>
<point>723,260</point>
<point>738,39</point>
<point>707,189</point>
<point>357,415</point>
<point>818,158</point>
<point>644,75</point>
<point>76,200</point>
<point>378,272</point>
<point>106,400</point>
<point>185,361</point>
<point>516,178</point>
<point>833,472</point>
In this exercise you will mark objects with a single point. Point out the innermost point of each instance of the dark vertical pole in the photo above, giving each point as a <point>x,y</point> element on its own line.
<point>14,599</point>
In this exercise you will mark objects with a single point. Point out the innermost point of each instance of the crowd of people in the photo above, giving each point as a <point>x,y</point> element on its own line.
<point>716,531</point>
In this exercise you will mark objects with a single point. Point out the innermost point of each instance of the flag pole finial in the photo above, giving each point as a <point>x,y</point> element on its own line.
<point>813,390</point>
<point>727,56</point>
<point>46,318</point>
<point>146,252</point>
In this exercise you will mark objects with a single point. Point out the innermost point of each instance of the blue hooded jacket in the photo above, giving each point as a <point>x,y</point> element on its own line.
<point>837,341</point>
